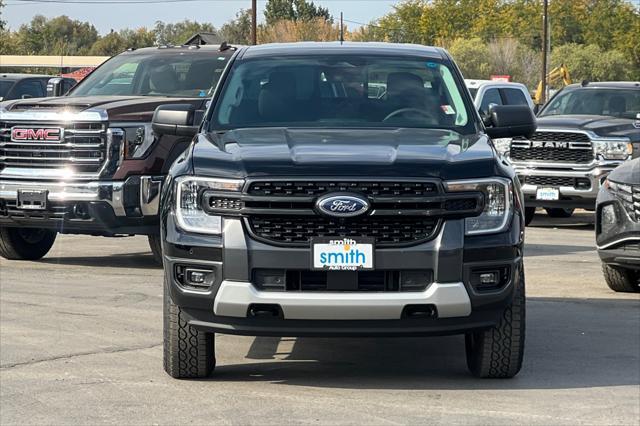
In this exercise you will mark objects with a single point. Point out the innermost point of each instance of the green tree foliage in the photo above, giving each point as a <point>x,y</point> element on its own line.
<point>238,30</point>
<point>590,62</point>
<point>179,32</point>
<point>472,56</point>
<point>55,36</point>
<point>2,23</point>
<point>294,10</point>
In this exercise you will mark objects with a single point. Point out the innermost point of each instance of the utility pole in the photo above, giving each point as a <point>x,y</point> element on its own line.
<point>341,29</point>
<point>254,23</point>
<point>545,47</point>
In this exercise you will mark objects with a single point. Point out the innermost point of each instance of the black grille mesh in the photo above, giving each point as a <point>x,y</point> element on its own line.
<point>563,155</point>
<point>315,188</point>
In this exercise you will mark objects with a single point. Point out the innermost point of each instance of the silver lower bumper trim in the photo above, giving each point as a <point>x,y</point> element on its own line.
<point>233,300</point>
<point>110,192</point>
<point>595,176</point>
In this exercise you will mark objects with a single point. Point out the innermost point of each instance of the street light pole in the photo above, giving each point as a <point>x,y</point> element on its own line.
<point>545,47</point>
<point>254,24</point>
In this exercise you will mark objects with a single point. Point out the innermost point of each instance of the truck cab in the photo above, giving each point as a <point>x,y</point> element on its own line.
<point>89,162</point>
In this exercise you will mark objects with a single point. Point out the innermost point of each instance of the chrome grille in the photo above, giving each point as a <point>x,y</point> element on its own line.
<point>82,149</point>
<point>559,147</point>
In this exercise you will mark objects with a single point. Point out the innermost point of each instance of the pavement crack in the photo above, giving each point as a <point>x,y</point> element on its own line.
<point>77,355</point>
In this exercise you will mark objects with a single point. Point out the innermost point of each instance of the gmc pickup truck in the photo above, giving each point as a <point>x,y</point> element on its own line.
<point>89,162</point>
<point>310,205</point>
<point>584,132</point>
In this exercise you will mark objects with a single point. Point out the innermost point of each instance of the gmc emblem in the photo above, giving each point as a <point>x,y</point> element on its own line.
<point>50,134</point>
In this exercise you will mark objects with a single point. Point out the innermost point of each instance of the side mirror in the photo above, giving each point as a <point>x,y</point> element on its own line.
<point>174,119</point>
<point>507,121</point>
<point>55,87</point>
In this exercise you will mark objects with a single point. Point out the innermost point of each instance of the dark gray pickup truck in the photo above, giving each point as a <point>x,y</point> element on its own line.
<point>310,205</point>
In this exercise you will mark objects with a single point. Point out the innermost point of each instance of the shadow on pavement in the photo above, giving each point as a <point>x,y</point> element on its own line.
<point>140,260</point>
<point>581,220</point>
<point>571,343</point>
<point>533,249</point>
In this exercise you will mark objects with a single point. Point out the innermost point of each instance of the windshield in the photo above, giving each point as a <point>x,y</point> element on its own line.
<point>342,91</point>
<point>623,103</point>
<point>179,74</point>
<point>5,86</point>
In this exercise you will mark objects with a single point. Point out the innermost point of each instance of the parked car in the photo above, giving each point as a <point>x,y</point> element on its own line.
<point>25,86</point>
<point>309,205</point>
<point>618,227</point>
<point>89,162</point>
<point>489,92</point>
<point>584,132</point>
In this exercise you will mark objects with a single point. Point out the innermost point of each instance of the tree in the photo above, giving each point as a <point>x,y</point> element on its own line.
<point>472,56</point>
<point>180,32</point>
<point>2,23</point>
<point>109,45</point>
<point>294,10</point>
<point>590,62</point>
<point>56,36</point>
<point>308,30</point>
<point>238,30</point>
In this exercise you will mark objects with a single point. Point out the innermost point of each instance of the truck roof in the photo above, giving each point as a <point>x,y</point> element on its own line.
<point>20,76</point>
<point>352,48</point>
<point>159,50</point>
<point>607,85</point>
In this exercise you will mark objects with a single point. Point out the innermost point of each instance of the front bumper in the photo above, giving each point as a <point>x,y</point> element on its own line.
<point>226,307</point>
<point>570,196</point>
<point>94,207</point>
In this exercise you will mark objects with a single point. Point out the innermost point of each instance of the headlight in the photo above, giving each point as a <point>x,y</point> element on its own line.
<point>138,141</point>
<point>498,196</point>
<point>503,145</point>
<point>613,150</point>
<point>189,213</point>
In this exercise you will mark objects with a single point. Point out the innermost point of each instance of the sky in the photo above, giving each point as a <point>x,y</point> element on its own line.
<point>106,17</point>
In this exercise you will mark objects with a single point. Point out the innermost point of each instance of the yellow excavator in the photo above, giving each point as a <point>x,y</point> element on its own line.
<point>554,77</point>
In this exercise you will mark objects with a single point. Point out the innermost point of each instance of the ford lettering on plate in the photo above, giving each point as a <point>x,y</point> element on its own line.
<point>342,254</point>
<point>548,194</point>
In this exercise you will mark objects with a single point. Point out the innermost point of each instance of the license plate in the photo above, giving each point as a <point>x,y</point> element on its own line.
<point>342,254</point>
<point>548,194</point>
<point>32,199</point>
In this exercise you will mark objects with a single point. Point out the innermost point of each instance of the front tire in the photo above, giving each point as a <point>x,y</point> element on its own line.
<point>498,351</point>
<point>25,243</point>
<point>559,213</point>
<point>187,352</point>
<point>621,280</point>
<point>155,244</point>
<point>529,213</point>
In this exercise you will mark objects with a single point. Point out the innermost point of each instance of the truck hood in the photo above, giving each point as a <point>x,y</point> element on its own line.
<point>628,172</point>
<point>118,108</point>
<point>343,152</point>
<point>601,125</point>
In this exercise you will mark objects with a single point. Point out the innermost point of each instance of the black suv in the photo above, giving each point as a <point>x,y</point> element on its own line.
<point>618,227</point>
<point>310,205</point>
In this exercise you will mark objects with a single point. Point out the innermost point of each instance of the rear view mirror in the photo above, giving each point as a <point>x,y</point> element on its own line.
<point>506,121</point>
<point>174,119</point>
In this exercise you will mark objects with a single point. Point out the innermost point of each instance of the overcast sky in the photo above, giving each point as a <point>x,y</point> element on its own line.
<point>109,16</point>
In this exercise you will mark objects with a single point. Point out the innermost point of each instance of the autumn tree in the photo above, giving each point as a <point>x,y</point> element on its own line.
<point>294,10</point>
<point>238,30</point>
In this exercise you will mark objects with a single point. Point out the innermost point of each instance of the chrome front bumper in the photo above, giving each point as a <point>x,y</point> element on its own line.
<point>110,192</point>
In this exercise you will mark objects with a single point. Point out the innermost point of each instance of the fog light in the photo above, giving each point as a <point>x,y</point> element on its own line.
<point>195,277</point>
<point>489,278</point>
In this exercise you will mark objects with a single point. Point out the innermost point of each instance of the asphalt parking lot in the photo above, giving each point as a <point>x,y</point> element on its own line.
<point>81,335</point>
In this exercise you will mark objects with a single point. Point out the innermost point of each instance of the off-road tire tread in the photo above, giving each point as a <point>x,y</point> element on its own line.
<point>12,247</point>
<point>500,349</point>
<point>621,280</point>
<point>155,244</point>
<point>188,352</point>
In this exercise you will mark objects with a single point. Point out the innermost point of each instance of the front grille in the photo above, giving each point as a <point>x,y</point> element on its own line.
<point>629,197</point>
<point>316,188</point>
<point>548,180</point>
<point>561,147</point>
<point>360,281</point>
<point>82,150</point>
<point>387,230</point>
<point>56,212</point>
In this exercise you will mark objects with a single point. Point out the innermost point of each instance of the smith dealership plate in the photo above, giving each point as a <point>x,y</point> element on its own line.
<point>548,194</point>
<point>342,254</point>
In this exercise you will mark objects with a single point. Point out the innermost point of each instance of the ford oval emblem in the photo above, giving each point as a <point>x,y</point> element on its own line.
<point>342,205</point>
